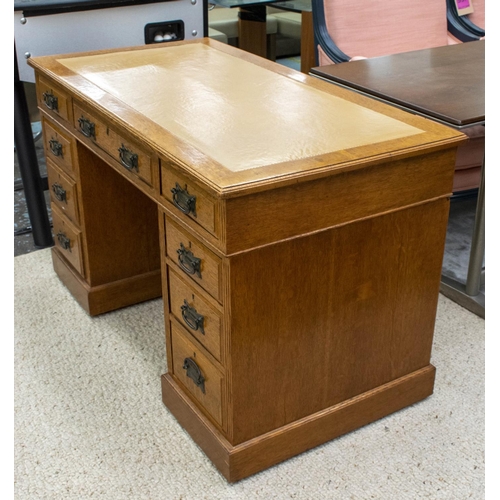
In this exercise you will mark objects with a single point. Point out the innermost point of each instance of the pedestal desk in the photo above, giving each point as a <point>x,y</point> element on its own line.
<point>295,230</point>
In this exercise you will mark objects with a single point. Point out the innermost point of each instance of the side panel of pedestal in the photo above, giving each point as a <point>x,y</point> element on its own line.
<point>320,319</point>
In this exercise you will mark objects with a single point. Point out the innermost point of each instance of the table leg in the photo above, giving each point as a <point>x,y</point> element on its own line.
<point>473,283</point>
<point>469,295</point>
<point>307,51</point>
<point>253,30</point>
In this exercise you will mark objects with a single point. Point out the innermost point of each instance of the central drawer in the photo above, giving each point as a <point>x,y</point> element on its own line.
<point>127,153</point>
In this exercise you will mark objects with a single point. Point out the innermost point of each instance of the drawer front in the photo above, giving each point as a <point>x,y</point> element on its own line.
<point>186,198</point>
<point>62,192</point>
<point>58,146</point>
<point>197,374</point>
<point>195,261</point>
<point>199,318</point>
<point>53,99</point>
<point>130,156</point>
<point>67,240</point>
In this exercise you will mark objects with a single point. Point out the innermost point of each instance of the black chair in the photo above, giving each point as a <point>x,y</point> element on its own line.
<point>469,27</point>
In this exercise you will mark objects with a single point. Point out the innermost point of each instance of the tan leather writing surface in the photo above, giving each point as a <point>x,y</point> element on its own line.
<point>242,115</point>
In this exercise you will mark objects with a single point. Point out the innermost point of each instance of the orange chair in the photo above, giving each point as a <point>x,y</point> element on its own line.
<point>346,31</point>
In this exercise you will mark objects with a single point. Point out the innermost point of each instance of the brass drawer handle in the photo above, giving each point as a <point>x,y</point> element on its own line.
<point>184,201</point>
<point>188,262</point>
<point>128,159</point>
<point>194,373</point>
<point>56,147</point>
<point>87,128</point>
<point>50,100</point>
<point>191,317</point>
<point>59,192</point>
<point>64,241</point>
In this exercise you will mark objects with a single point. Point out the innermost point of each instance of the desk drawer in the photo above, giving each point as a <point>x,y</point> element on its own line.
<point>196,373</point>
<point>130,156</point>
<point>58,146</point>
<point>53,99</point>
<point>62,192</point>
<point>68,239</point>
<point>199,318</point>
<point>186,198</point>
<point>194,259</point>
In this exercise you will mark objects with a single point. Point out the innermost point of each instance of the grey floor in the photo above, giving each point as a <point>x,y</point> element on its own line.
<point>458,240</point>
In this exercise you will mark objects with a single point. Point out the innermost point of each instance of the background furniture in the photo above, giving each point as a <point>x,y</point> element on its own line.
<point>217,35</point>
<point>295,21</point>
<point>299,266</point>
<point>445,84</point>
<point>226,20</point>
<point>345,32</point>
<point>467,27</point>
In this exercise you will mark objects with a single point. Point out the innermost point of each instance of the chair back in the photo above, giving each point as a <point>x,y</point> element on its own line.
<point>468,27</point>
<point>478,16</point>
<point>369,29</point>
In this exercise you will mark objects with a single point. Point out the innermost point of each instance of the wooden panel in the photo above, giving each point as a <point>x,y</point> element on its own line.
<point>209,392</point>
<point>271,216</point>
<point>108,297</point>
<point>319,319</point>
<point>67,238</point>
<point>295,438</point>
<point>209,277</point>
<point>121,223</point>
<point>208,332</point>
<point>62,192</point>
<point>205,205</point>
<point>111,142</point>
<point>58,145</point>
<point>53,99</point>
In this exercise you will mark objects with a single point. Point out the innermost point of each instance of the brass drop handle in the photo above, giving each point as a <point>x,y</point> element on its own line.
<point>128,159</point>
<point>87,128</point>
<point>188,262</point>
<point>50,100</point>
<point>59,192</point>
<point>64,241</point>
<point>194,373</point>
<point>191,317</point>
<point>184,201</point>
<point>56,147</point>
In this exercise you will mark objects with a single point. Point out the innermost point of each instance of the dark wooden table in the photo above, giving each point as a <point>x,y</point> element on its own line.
<point>445,84</point>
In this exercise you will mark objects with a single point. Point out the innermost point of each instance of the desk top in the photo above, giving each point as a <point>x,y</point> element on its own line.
<point>237,122</point>
<point>446,83</point>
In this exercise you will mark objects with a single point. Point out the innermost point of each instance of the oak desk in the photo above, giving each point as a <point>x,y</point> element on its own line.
<point>295,229</point>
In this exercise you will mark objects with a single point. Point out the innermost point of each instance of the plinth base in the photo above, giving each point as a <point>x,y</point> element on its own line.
<point>255,455</point>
